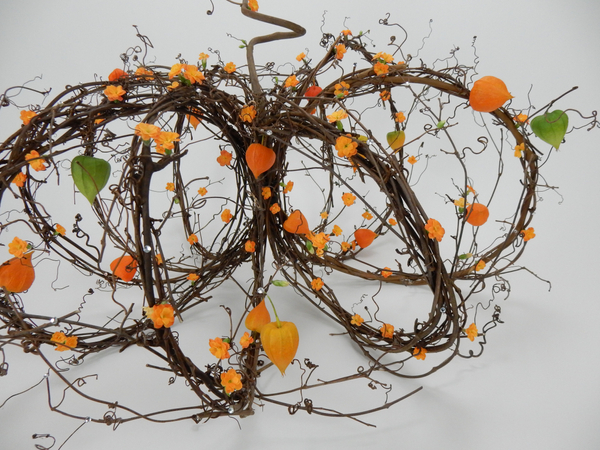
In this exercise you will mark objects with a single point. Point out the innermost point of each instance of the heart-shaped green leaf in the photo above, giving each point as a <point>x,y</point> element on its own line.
<point>551,127</point>
<point>90,175</point>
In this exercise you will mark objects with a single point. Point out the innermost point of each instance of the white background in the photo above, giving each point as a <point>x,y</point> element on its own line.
<point>536,385</point>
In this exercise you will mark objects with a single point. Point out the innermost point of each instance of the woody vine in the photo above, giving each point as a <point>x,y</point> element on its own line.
<point>112,143</point>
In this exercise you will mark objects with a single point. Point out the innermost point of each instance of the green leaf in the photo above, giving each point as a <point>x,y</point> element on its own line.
<point>90,175</point>
<point>441,124</point>
<point>551,127</point>
<point>310,247</point>
<point>280,283</point>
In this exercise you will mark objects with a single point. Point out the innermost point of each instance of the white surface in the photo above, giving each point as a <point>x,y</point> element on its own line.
<point>536,385</point>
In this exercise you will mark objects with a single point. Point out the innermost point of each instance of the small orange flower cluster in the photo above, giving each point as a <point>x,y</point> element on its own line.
<point>246,340</point>
<point>300,57</point>
<point>435,230</point>
<point>288,187</point>
<point>63,343</point>
<point>229,67</point>
<point>226,215</point>
<point>348,198</point>
<point>219,348</point>
<point>386,272</point>
<point>274,208</point>
<point>202,191</point>
<point>18,247</point>
<point>317,284</point>
<point>340,114</point>
<point>387,331</point>
<point>231,381</point>
<point>26,116</point>
<point>165,140</point>
<point>160,315</point>
<point>114,93</point>
<point>192,239</point>
<point>357,320</point>
<point>19,180</point>
<point>187,73</point>
<point>59,229</point>
<point>471,332</point>
<point>346,146</point>
<point>411,159</point>
<point>224,159</point>
<point>193,277</point>
<point>291,81</point>
<point>528,234</point>
<point>339,51</point>
<point>266,193</point>
<point>170,187</point>
<point>420,353</point>
<point>519,149</point>
<point>367,215</point>
<point>250,246</point>
<point>36,162</point>
<point>480,265</point>
<point>337,231</point>
<point>319,242</point>
<point>248,113</point>
<point>385,95</point>
<point>399,117</point>
<point>341,89</point>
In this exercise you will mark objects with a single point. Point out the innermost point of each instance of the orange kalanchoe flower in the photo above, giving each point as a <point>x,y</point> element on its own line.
<point>346,32</point>
<point>274,208</point>
<point>226,215</point>
<point>519,149</point>
<point>19,180</point>
<point>18,247</point>
<point>288,187</point>
<point>250,246</point>
<point>246,340</point>
<point>300,57</point>
<point>345,246</point>
<point>387,331</point>
<point>435,230</point>
<point>192,277</point>
<point>192,74</point>
<point>166,141</point>
<point>339,51</point>
<point>341,90</point>
<point>411,159</point>
<point>336,230</point>
<point>63,342</point>
<point>337,115</point>
<point>117,74</point>
<point>291,81</point>
<point>159,259</point>
<point>399,117</point>
<point>480,265</point>
<point>266,193</point>
<point>142,72</point>
<point>253,5</point>
<point>319,241</point>
<point>420,353</point>
<point>528,234</point>
<point>346,147</point>
<point>26,116</point>
<point>59,229</point>
<point>385,95</point>
<point>367,215</point>
<point>161,315</point>
<point>521,118</point>
<point>219,348</point>
<point>392,222</point>
<point>146,131</point>
<point>170,187</point>
<point>248,113</point>
<point>229,67</point>
<point>357,320</point>
<point>173,85</point>
<point>381,69</point>
<point>348,198</point>
<point>324,215</point>
<point>386,272</point>
<point>225,158</point>
<point>471,332</point>
<point>176,69</point>
<point>384,57</point>
<point>202,191</point>
<point>231,380</point>
<point>115,93</point>
<point>36,162</point>
<point>192,239</point>
<point>203,56</point>
<point>317,284</point>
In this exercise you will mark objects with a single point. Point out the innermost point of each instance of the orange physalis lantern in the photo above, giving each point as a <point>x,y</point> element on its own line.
<point>488,94</point>
<point>258,317</point>
<point>477,214</point>
<point>17,274</point>
<point>259,159</point>
<point>313,91</point>
<point>116,74</point>
<point>364,237</point>
<point>124,267</point>
<point>280,341</point>
<point>296,223</point>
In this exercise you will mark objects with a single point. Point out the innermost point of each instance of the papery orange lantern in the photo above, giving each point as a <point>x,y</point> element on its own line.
<point>124,267</point>
<point>259,158</point>
<point>477,214</point>
<point>313,91</point>
<point>296,223</point>
<point>258,317</point>
<point>488,94</point>
<point>116,74</point>
<point>280,341</point>
<point>364,237</point>
<point>17,274</point>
